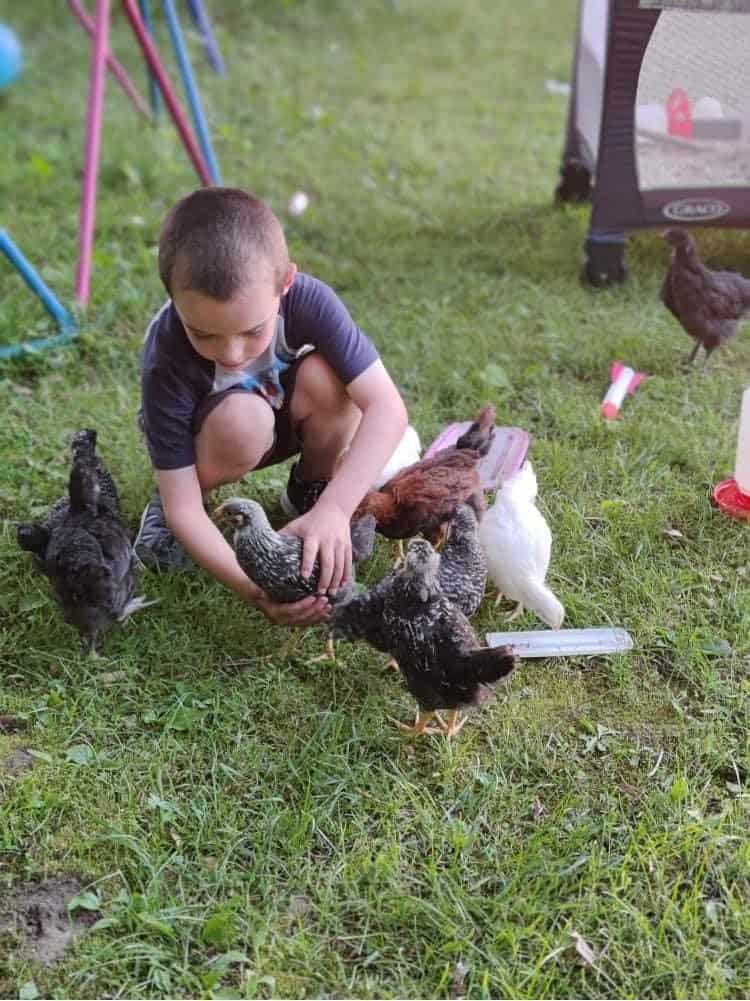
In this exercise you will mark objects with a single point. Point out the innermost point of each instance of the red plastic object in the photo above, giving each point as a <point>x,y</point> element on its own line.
<point>679,115</point>
<point>731,500</point>
<point>505,457</point>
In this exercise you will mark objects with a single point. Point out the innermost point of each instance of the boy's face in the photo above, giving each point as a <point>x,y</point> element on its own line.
<point>235,332</point>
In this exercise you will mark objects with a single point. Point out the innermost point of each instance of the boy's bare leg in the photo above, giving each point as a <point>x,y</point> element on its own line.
<point>233,439</point>
<point>325,417</point>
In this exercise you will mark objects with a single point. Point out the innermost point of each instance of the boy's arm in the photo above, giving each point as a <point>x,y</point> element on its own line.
<point>183,508</point>
<point>384,420</point>
<point>325,529</point>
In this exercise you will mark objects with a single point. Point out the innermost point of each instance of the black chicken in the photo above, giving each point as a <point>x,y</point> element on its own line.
<point>86,552</point>
<point>708,304</point>
<point>437,651</point>
<point>34,538</point>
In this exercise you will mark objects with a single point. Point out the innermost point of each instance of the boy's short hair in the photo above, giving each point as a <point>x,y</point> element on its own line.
<point>218,241</point>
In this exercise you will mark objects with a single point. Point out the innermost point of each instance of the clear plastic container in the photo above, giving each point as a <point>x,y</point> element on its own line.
<point>592,642</point>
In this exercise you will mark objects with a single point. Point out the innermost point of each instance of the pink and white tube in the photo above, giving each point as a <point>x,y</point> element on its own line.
<point>625,380</point>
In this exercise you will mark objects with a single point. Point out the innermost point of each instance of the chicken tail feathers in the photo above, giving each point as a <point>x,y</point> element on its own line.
<point>479,436</point>
<point>540,599</point>
<point>486,666</point>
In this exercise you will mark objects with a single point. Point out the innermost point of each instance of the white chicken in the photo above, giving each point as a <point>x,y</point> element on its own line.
<point>408,451</point>
<point>517,542</point>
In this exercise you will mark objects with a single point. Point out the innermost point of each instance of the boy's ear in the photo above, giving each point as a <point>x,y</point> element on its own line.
<point>291,271</point>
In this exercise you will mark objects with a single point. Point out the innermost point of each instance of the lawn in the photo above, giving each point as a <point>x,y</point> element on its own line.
<point>239,822</point>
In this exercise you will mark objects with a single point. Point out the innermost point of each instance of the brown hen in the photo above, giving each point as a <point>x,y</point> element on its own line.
<point>708,304</point>
<point>423,498</point>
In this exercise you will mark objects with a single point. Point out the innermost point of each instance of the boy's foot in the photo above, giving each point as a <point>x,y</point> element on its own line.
<point>300,495</point>
<point>154,545</point>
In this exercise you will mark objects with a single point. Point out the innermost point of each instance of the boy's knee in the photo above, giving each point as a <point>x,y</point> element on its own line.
<point>234,438</point>
<point>318,387</point>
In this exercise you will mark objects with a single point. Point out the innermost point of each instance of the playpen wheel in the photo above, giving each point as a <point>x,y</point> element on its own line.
<point>605,263</point>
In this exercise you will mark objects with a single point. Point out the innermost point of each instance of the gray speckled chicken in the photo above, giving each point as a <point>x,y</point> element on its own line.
<point>270,559</point>
<point>438,653</point>
<point>362,533</point>
<point>462,577</point>
<point>463,565</point>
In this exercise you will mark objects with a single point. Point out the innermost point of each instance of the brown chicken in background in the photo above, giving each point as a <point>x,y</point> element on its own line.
<point>708,304</point>
<point>423,498</point>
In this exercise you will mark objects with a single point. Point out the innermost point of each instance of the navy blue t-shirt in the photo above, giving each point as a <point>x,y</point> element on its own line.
<point>175,379</point>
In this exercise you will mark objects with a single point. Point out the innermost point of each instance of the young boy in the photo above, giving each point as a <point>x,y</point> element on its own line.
<point>247,364</point>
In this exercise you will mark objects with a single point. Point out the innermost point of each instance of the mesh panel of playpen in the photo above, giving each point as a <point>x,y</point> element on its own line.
<point>706,55</point>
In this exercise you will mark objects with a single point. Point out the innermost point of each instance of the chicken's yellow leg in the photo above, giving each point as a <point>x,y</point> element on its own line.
<point>420,724</point>
<point>453,724</point>
<point>329,654</point>
<point>401,558</point>
<point>517,611</point>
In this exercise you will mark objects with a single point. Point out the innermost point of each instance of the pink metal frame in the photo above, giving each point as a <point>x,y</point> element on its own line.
<point>100,59</point>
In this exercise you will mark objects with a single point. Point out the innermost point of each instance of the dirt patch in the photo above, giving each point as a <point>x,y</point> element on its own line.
<point>18,762</point>
<point>11,724</point>
<point>38,914</point>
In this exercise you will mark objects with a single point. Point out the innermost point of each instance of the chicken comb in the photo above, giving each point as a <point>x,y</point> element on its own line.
<point>505,457</point>
<point>625,380</point>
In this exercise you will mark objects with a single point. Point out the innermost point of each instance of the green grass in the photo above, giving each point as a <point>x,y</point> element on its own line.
<point>252,824</point>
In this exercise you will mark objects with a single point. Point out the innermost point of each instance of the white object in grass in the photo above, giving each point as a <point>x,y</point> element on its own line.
<point>298,203</point>
<point>742,458</point>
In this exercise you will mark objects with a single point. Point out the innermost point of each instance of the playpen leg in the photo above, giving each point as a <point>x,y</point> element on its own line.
<point>93,143</point>
<point>152,58</point>
<point>59,314</point>
<point>605,259</point>
<point>199,15</point>
<point>191,89</point>
<point>65,322</point>
<point>153,87</point>
<point>116,69</point>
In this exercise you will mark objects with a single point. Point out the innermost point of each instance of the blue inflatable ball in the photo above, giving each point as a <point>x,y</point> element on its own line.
<point>11,56</point>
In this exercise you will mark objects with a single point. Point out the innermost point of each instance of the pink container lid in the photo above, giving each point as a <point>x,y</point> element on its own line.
<point>505,457</point>
<point>731,500</point>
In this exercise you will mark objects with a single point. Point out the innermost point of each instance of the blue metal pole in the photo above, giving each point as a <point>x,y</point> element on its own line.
<point>65,322</point>
<point>199,15</point>
<point>191,90</point>
<point>153,86</point>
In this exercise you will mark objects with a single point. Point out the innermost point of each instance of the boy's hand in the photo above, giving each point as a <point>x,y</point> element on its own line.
<point>325,534</point>
<point>306,612</point>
